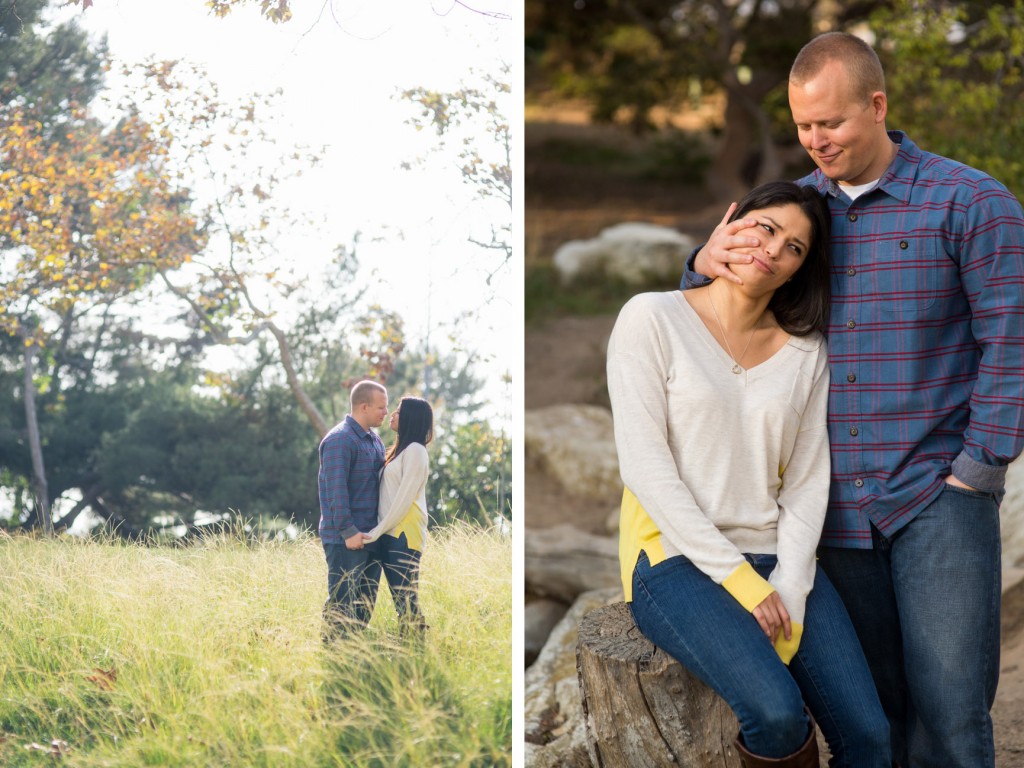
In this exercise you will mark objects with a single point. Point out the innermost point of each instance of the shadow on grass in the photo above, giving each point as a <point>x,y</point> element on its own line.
<point>394,703</point>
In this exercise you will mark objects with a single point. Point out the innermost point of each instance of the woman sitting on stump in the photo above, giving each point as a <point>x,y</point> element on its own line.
<point>719,400</point>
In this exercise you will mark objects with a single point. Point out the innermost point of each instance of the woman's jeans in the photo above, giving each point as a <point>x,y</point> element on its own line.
<point>401,569</point>
<point>926,607</point>
<point>696,621</point>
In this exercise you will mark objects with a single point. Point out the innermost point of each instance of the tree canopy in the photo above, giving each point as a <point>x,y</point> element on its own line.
<point>631,59</point>
<point>132,249</point>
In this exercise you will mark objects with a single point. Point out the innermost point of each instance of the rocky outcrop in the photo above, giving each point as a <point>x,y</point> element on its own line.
<point>553,711</point>
<point>633,252</point>
<point>575,445</point>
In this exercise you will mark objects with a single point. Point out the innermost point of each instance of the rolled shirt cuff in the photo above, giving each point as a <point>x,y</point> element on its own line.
<point>984,477</point>
<point>691,278</point>
<point>348,532</point>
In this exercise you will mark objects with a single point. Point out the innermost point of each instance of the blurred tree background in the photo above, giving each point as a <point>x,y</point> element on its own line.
<point>121,281</point>
<point>670,110</point>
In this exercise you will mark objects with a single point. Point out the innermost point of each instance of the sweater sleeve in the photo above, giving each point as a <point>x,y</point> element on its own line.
<point>415,469</point>
<point>637,378</point>
<point>803,498</point>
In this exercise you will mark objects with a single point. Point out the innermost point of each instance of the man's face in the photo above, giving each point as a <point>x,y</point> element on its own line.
<point>843,132</point>
<point>376,410</point>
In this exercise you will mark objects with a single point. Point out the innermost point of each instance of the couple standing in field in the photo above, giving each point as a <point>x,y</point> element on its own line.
<point>373,509</point>
<point>814,531</point>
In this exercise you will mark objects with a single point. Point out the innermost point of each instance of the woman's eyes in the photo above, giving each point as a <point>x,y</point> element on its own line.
<point>771,231</point>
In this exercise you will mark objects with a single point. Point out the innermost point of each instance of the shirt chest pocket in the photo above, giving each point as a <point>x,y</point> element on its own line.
<point>368,454</point>
<point>911,278</point>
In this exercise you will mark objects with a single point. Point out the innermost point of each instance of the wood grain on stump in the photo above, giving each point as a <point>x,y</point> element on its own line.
<point>643,708</point>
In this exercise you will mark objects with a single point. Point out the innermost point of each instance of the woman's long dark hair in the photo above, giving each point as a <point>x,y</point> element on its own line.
<point>800,305</point>
<point>415,425</point>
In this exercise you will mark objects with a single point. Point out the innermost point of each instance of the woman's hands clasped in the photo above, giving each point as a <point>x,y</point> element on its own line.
<point>772,615</point>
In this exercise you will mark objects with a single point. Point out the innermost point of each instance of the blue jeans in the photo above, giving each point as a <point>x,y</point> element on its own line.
<point>696,621</point>
<point>402,569</point>
<point>925,604</point>
<point>353,578</point>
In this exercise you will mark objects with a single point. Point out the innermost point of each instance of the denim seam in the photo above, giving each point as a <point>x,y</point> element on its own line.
<point>639,581</point>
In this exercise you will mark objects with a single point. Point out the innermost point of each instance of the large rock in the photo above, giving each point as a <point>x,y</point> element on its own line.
<point>563,562</point>
<point>1012,515</point>
<point>539,618</point>
<point>575,445</point>
<point>552,710</point>
<point>634,252</point>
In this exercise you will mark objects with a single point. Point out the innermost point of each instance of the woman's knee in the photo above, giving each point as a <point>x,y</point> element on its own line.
<point>773,727</point>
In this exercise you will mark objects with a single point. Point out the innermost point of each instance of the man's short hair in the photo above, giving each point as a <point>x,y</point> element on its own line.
<point>857,56</point>
<point>362,393</point>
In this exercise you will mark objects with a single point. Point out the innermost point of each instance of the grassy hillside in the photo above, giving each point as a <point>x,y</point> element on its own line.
<point>124,655</point>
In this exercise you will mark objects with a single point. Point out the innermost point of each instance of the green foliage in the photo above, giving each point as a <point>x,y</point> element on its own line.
<point>46,67</point>
<point>677,155</point>
<point>954,78</point>
<point>211,655</point>
<point>180,453</point>
<point>635,72</point>
<point>589,295</point>
<point>471,476</point>
<point>670,154</point>
<point>626,58</point>
<point>154,447</point>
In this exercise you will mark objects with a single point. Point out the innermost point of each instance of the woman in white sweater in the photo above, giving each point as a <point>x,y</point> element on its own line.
<point>402,515</point>
<point>719,401</point>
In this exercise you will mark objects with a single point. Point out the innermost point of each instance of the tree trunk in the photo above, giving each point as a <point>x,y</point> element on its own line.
<point>726,180</point>
<point>306,403</point>
<point>747,155</point>
<point>89,498</point>
<point>641,706</point>
<point>39,485</point>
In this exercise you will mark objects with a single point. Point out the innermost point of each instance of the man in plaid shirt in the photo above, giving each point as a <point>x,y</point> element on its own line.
<point>351,458</point>
<point>926,404</point>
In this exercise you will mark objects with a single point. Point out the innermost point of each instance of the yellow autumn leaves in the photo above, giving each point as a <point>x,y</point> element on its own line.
<point>84,212</point>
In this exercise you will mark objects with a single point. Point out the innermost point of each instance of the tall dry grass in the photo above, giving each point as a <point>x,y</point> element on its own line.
<point>210,655</point>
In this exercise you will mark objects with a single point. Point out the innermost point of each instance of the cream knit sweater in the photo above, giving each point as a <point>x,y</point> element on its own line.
<point>403,497</point>
<point>717,464</point>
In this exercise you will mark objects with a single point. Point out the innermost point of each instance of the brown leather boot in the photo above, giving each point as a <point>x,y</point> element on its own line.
<point>805,757</point>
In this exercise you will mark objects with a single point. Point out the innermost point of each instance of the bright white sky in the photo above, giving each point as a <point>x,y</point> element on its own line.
<point>340,68</point>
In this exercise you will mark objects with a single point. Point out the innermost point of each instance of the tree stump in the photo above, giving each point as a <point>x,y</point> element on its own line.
<point>643,708</point>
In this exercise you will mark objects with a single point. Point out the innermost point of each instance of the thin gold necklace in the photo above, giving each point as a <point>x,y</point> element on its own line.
<point>736,367</point>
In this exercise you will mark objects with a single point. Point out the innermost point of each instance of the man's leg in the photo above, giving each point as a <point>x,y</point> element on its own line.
<point>863,579</point>
<point>349,573</point>
<point>836,683</point>
<point>368,582</point>
<point>946,573</point>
